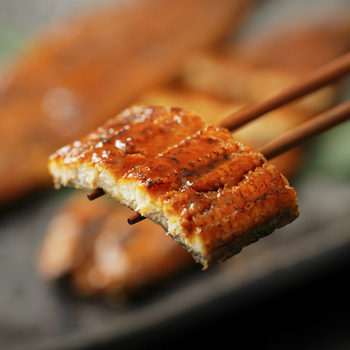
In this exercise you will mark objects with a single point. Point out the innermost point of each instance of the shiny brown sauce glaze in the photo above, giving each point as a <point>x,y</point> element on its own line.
<point>132,137</point>
<point>207,161</point>
<point>220,216</point>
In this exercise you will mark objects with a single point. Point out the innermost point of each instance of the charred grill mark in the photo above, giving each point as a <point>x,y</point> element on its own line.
<point>119,132</point>
<point>204,178</point>
<point>176,109</point>
<point>154,183</point>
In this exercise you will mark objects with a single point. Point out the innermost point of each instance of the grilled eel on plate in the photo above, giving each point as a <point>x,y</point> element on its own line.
<point>92,243</point>
<point>211,194</point>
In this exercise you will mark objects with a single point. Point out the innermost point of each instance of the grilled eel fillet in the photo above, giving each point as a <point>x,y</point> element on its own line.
<point>211,194</point>
<point>93,244</point>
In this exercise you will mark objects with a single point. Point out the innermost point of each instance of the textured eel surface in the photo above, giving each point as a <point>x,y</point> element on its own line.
<point>212,194</point>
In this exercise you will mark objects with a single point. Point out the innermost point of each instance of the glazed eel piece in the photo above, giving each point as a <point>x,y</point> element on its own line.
<point>210,193</point>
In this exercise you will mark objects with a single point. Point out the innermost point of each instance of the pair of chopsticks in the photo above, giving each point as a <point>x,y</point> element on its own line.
<point>313,81</point>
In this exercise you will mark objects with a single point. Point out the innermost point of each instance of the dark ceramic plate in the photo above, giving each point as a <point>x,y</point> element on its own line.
<point>36,315</point>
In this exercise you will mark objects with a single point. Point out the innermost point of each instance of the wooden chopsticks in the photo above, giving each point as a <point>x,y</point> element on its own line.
<point>313,81</point>
<point>307,130</point>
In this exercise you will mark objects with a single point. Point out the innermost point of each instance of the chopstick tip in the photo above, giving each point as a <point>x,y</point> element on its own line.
<point>134,219</point>
<point>95,194</point>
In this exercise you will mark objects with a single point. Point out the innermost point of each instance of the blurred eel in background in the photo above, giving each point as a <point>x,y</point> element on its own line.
<point>93,244</point>
<point>83,70</point>
<point>258,65</point>
<point>248,68</point>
